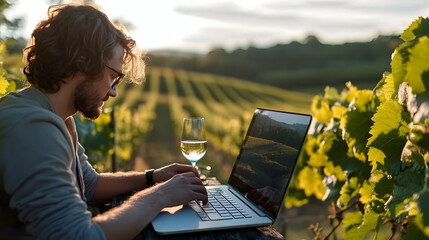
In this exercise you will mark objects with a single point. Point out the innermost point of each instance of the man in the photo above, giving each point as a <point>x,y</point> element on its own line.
<point>74,64</point>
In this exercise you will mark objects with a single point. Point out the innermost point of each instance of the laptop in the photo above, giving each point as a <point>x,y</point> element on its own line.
<point>258,181</point>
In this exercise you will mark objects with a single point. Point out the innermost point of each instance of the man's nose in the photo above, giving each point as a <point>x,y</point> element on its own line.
<point>112,92</point>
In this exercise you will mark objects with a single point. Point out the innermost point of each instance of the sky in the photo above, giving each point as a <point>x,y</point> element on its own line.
<point>287,118</point>
<point>201,25</point>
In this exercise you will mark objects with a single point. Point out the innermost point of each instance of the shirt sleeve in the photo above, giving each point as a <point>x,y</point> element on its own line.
<point>90,176</point>
<point>36,169</point>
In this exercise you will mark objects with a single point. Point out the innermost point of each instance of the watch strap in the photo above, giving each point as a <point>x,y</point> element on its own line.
<point>149,177</point>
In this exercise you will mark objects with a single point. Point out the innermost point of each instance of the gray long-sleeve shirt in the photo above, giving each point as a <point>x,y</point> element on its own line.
<point>41,169</point>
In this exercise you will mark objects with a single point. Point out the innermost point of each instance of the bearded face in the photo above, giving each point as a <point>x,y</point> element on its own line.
<point>92,91</point>
<point>89,100</point>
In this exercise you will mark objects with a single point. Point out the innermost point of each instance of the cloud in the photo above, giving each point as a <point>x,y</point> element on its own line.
<point>281,16</point>
<point>230,13</point>
<point>231,37</point>
<point>271,22</point>
<point>263,23</point>
<point>314,4</point>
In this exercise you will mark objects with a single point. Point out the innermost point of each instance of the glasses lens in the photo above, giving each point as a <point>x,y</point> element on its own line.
<point>116,82</point>
<point>118,78</point>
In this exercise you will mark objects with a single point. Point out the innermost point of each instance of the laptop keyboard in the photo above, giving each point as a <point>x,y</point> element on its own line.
<point>220,207</point>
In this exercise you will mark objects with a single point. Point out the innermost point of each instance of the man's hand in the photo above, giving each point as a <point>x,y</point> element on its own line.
<point>167,172</point>
<point>177,185</point>
<point>180,189</point>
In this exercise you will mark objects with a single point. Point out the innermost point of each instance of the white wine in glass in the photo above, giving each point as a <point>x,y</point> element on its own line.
<point>194,142</point>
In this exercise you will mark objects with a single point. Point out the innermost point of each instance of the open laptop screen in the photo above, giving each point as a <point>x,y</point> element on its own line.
<point>268,156</point>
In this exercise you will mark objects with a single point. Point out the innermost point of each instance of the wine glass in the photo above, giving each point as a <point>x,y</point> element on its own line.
<point>194,143</point>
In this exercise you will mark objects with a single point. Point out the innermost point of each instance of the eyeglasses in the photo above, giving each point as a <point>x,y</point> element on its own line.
<point>117,79</point>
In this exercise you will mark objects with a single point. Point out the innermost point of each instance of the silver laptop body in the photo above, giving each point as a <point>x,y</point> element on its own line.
<point>258,181</point>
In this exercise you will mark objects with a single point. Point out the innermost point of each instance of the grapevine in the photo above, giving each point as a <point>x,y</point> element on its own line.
<point>367,151</point>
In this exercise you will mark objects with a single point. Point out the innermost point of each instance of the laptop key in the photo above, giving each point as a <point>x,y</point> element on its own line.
<point>220,207</point>
<point>197,208</point>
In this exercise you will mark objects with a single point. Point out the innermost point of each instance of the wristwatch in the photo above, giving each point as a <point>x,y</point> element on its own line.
<point>149,177</point>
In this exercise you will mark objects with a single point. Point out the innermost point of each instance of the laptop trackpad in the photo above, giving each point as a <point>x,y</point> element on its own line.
<point>176,219</point>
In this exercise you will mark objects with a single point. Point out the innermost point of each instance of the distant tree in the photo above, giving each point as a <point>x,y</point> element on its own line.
<point>15,45</point>
<point>3,6</point>
<point>216,57</point>
<point>7,26</point>
<point>311,40</point>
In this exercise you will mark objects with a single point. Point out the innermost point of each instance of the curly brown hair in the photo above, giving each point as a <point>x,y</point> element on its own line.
<point>76,38</point>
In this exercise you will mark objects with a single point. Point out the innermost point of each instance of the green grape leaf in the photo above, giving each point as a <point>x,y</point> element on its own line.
<point>321,109</point>
<point>376,156</point>
<point>417,28</point>
<point>3,82</point>
<point>331,94</point>
<point>347,192</point>
<point>409,181</point>
<point>336,151</point>
<point>406,183</point>
<point>3,85</point>
<point>318,160</point>
<point>357,130</point>
<point>311,181</point>
<point>371,221</point>
<point>387,118</point>
<point>396,209</point>
<point>337,171</point>
<point>342,157</point>
<point>424,206</point>
<point>351,220</point>
<point>389,91</point>
<point>377,206</point>
<point>12,86</point>
<point>389,134</point>
<point>339,112</point>
<point>383,188</point>
<point>96,136</point>
<point>295,197</point>
<point>418,66</point>
<point>84,128</point>
<point>416,230</point>
<point>381,83</point>
<point>357,226</point>
<point>400,58</point>
<point>319,149</point>
<point>366,192</point>
<point>2,47</point>
<point>351,93</point>
<point>362,100</point>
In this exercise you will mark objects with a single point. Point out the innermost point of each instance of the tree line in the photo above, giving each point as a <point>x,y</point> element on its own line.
<point>294,64</point>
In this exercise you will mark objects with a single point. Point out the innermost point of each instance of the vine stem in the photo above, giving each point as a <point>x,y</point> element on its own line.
<point>393,231</point>
<point>333,229</point>
<point>339,217</point>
